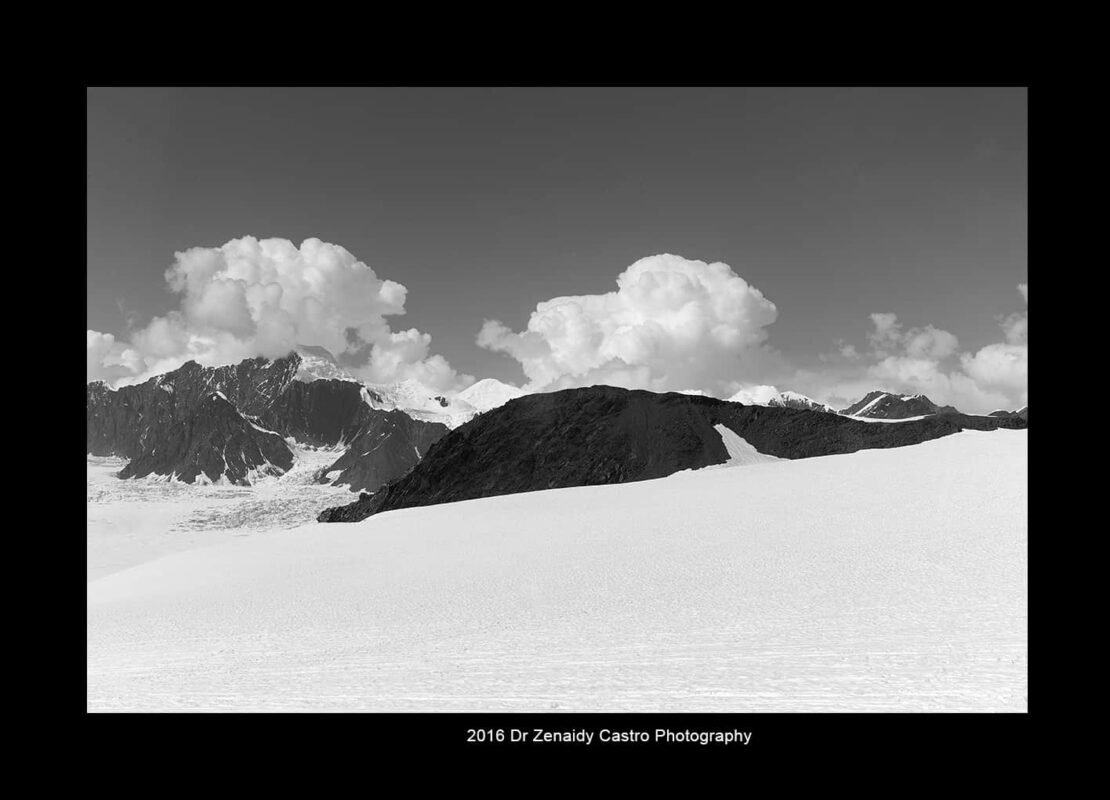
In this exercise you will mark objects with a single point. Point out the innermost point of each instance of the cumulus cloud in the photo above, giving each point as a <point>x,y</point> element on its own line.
<point>1004,367</point>
<point>672,324</point>
<point>107,360</point>
<point>1000,366</point>
<point>255,297</point>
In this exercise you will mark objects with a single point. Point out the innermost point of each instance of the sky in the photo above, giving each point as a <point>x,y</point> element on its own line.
<point>824,240</point>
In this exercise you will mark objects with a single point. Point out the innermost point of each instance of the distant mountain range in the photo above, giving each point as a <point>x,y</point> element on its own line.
<point>602,434</point>
<point>242,422</point>
<point>876,405</point>
<point>885,405</point>
<point>411,446</point>
<point>768,396</point>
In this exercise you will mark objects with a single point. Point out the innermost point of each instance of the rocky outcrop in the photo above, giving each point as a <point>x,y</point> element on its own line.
<point>126,421</point>
<point>323,413</point>
<point>215,441</point>
<point>602,434</point>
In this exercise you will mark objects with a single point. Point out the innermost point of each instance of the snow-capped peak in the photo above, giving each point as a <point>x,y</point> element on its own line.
<point>755,395</point>
<point>318,364</point>
<point>770,396</point>
<point>871,405</point>
<point>418,401</point>
<point>488,393</point>
<point>797,400</point>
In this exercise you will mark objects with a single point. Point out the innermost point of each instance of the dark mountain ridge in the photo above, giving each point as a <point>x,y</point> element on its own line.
<point>887,405</point>
<point>602,434</point>
<point>170,424</point>
<point>1022,413</point>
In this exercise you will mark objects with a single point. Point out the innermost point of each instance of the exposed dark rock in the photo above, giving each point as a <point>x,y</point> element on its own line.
<point>323,413</point>
<point>1022,413</point>
<point>884,405</point>
<point>214,440</point>
<point>599,435</point>
<point>388,446</point>
<point>121,422</point>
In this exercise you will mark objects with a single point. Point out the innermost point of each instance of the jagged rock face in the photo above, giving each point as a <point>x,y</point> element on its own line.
<point>323,413</point>
<point>600,435</point>
<point>884,405</point>
<point>155,425</point>
<point>388,446</point>
<point>216,441</point>
<point>119,422</point>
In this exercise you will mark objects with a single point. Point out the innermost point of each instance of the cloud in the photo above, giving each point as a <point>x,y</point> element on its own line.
<point>918,343</point>
<point>672,324</point>
<point>1004,367</point>
<point>107,360</point>
<point>926,361</point>
<point>1016,326</point>
<point>849,351</point>
<point>1000,366</point>
<point>254,297</point>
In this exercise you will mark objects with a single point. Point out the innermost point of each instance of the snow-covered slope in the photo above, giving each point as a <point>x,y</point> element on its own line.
<point>410,396</point>
<point>880,419</point>
<point>740,453</point>
<point>755,395</point>
<point>770,396</point>
<point>318,364</point>
<point>790,399</point>
<point>129,522</point>
<point>488,393</point>
<point>419,402</point>
<point>711,590</point>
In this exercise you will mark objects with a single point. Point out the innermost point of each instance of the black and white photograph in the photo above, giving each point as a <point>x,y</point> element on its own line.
<point>557,401</point>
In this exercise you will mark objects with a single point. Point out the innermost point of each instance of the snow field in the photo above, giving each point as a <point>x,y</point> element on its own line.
<point>883,580</point>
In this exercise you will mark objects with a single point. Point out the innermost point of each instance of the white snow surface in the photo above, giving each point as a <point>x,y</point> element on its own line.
<point>318,364</point>
<point>883,580</point>
<point>129,522</point>
<point>770,396</point>
<point>740,453</point>
<point>488,393</point>
<point>784,397</point>
<point>755,395</point>
<point>410,396</point>
<point>419,402</point>
<point>858,418</point>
